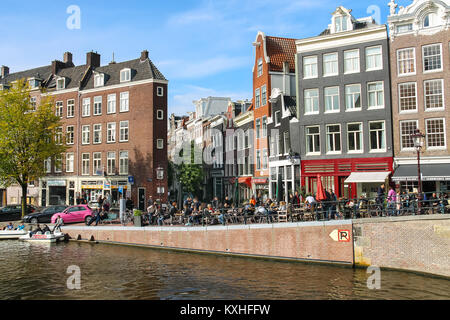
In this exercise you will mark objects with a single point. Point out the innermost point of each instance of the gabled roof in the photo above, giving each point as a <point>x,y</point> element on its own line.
<point>280,50</point>
<point>40,73</point>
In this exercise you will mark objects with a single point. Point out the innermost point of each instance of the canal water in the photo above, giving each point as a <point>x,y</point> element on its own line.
<point>37,271</point>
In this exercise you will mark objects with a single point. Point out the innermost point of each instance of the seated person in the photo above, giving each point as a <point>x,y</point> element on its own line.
<point>20,227</point>
<point>35,231</point>
<point>10,226</point>
<point>46,229</point>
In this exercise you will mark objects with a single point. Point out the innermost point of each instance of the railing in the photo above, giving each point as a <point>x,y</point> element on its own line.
<point>405,205</point>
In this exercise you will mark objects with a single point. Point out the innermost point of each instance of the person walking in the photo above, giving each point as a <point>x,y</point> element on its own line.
<point>392,201</point>
<point>380,199</point>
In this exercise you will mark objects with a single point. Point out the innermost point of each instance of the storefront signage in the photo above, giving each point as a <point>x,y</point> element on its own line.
<point>259,181</point>
<point>107,185</point>
<point>56,183</point>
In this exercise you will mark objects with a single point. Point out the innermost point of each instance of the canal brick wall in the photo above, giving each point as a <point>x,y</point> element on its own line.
<point>309,241</point>
<point>416,243</point>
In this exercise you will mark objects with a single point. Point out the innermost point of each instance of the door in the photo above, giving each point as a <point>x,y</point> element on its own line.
<point>71,197</point>
<point>141,199</point>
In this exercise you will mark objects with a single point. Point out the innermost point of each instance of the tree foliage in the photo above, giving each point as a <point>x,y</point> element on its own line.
<point>191,174</point>
<point>27,137</point>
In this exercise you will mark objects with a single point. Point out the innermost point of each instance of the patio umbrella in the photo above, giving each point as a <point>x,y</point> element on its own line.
<point>320,192</point>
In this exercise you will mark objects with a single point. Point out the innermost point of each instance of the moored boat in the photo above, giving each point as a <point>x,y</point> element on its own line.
<point>39,237</point>
<point>12,234</point>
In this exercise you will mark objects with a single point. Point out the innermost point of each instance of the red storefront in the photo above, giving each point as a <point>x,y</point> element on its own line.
<point>335,172</point>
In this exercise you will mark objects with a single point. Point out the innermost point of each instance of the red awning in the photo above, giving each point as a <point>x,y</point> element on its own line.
<point>246,180</point>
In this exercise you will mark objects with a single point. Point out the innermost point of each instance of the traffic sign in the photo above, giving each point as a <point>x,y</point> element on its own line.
<point>340,235</point>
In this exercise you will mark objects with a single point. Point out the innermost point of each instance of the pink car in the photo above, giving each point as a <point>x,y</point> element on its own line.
<point>75,214</point>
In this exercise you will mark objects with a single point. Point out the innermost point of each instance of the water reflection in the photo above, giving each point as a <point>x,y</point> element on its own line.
<point>33,271</point>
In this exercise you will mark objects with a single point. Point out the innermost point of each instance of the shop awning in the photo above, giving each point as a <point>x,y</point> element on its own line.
<point>260,181</point>
<point>430,172</point>
<point>362,177</point>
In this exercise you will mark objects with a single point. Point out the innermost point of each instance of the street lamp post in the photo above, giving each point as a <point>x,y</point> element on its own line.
<point>418,138</point>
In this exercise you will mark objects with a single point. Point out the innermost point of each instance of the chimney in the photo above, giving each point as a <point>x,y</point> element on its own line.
<point>68,59</point>
<point>56,66</point>
<point>5,72</point>
<point>93,59</point>
<point>144,55</point>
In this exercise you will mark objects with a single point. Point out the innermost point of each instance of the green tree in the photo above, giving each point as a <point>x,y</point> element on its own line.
<point>191,174</point>
<point>28,136</point>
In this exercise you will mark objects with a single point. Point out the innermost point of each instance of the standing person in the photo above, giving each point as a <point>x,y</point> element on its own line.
<point>296,199</point>
<point>100,201</point>
<point>392,201</point>
<point>326,208</point>
<point>380,198</point>
<point>150,201</point>
<point>333,203</point>
<point>129,204</point>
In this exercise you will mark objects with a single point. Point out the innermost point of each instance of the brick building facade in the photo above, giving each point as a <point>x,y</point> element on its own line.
<point>115,126</point>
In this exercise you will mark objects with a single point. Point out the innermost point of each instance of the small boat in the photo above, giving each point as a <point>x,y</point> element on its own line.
<point>48,237</point>
<point>12,234</point>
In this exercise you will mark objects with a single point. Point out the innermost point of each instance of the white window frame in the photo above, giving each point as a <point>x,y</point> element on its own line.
<point>329,151</point>
<point>33,103</point>
<point>429,134</point>
<point>71,108</point>
<point>124,102</point>
<point>402,148</point>
<point>347,109</point>
<point>425,96</point>
<point>123,73</point>
<point>258,128</point>
<point>109,160</point>
<point>400,97</point>
<point>361,138</point>
<point>59,106</point>
<point>96,162</point>
<point>315,152</point>
<point>260,67</point>
<point>70,162</point>
<point>59,136</point>
<point>58,160</point>
<point>263,95</point>
<point>404,60</point>
<point>97,128</point>
<point>332,63</point>
<point>380,67</point>
<point>275,118</point>
<point>309,67</point>
<point>121,159</point>
<point>58,82</point>
<point>70,139</point>
<point>86,112</point>
<point>311,100</point>
<point>160,91</point>
<point>384,136</point>
<point>332,100</point>
<point>85,158</point>
<point>257,98</point>
<point>111,103</point>
<point>359,61</point>
<point>160,114</point>
<point>379,106</point>
<point>440,55</point>
<point>264,126</point>
<point>98,101</point>
<point>124,131</point>
<point>99,80</point>
<point>86,134</point>
<point>111,129</point>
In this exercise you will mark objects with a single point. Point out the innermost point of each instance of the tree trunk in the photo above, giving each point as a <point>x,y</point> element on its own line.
<point>24,198</point>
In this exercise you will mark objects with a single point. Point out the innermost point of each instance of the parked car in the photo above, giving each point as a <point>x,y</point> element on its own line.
<point>75,214</point>
<point>45,215</point>
<point>14,212</point>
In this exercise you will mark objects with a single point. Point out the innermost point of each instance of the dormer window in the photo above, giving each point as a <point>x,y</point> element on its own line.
<point>34,83</point>
<point>60,84</point>
<point>125,75</point>
<point>99,80</point>
<point>340,23</point>
<point>429,20</point>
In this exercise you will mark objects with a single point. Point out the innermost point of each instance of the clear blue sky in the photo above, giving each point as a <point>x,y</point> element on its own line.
<point>203,47</point>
